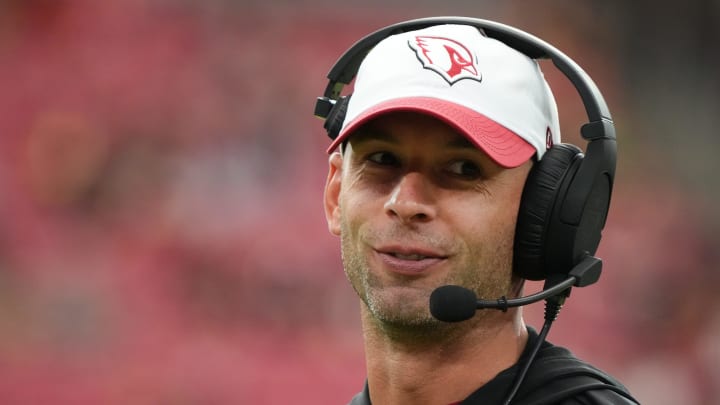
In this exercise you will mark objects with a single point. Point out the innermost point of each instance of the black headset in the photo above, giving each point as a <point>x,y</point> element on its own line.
<point>567,194</point>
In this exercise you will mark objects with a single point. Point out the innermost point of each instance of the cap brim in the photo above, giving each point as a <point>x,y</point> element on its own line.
<point>504,147</point>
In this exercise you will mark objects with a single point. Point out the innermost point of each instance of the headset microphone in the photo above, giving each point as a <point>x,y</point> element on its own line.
<point>452,303</point>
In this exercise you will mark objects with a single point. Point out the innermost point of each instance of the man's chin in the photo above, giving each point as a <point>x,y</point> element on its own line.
<point>401,306</point>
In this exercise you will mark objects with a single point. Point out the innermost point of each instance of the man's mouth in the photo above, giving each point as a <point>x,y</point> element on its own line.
<point>412,256</point>
<point>408,259</point>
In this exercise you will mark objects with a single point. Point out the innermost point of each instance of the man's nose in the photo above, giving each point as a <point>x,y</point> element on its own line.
<point>412,199</point>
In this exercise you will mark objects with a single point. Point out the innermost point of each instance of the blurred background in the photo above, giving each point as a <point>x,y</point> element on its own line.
<point>162,239</point>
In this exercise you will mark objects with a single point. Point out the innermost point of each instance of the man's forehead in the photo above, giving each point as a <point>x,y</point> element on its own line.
<point>409,127</point>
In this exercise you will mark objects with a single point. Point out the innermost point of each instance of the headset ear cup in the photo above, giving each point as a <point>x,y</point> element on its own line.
<point>540,195</point>
<point>336,117</point>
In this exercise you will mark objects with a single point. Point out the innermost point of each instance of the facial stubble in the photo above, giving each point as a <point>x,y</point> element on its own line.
<point>404,304</point>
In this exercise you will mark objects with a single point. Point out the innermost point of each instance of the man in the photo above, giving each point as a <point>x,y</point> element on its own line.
<point>424,186</point>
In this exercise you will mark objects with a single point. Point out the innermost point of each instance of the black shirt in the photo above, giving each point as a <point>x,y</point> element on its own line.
<point>555,377</point>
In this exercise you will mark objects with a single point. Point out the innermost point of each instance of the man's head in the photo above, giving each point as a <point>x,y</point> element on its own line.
<point>440,131</point>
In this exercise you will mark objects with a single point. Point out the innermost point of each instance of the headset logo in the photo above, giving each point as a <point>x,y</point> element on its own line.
<point>447,57</point>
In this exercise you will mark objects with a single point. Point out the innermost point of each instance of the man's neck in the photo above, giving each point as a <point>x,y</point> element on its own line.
<point>444,368</point>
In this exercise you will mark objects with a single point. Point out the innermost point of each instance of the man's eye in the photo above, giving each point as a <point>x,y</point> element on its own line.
<point>465,168</point>
<point>384,159</point>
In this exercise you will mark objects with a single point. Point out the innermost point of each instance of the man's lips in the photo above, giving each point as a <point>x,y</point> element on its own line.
<point>406,260</point>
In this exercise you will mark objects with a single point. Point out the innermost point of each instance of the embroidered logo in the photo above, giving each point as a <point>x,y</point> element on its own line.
<point>447,57</point>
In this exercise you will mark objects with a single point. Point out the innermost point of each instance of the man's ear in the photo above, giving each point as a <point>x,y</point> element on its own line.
<point>332,193</point>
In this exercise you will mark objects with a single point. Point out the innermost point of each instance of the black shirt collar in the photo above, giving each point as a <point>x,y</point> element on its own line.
<point>490,393</point>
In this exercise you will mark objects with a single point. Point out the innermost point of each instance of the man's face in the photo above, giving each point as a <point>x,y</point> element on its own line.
<point>417,207</point>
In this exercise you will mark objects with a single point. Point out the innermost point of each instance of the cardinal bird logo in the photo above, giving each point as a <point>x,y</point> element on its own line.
<point>448,57</point>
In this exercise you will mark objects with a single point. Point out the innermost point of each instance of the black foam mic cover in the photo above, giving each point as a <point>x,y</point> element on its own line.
<point>452,303</point>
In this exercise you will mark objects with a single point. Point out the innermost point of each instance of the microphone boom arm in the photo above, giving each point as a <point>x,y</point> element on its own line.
<point>585,273</point>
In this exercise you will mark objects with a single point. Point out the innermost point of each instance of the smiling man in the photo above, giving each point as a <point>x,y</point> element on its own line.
<point>424,186</point>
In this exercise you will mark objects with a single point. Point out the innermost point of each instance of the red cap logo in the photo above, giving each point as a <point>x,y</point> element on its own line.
<point>447,57</point>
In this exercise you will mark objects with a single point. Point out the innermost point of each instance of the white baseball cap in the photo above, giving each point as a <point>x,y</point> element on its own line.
<point>494,95</point>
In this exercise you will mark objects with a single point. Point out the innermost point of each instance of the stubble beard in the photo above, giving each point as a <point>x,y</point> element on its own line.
<point>403,309</point>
